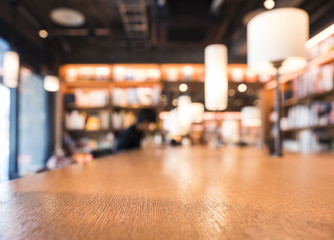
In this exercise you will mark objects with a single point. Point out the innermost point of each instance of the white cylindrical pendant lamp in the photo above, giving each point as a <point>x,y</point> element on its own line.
<point>11,66</point>
<point>251,116</point>
<point>216,86</point>
<point>51,83</point>
<point>277,35</point>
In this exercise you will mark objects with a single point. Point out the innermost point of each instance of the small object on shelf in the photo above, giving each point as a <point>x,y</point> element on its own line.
<point>119,73</point>
<point>142,96</point>
<point>93,124</point>
<point>79,73</point>
<point>172,75</point>
<point>92,98</point>
<point>187,73</point>
<point>123,119</point>
<point>75,120</point>
<point>104,119</point>
<point>86,73</point>
<point>153,74</point>
<point>237,74</point>
<point>102,73</point>
<point>145,96</point>
<point>71,75</point>
<point>139,75</point>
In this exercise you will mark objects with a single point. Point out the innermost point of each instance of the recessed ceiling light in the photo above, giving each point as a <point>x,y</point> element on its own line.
<point>242,87</point>
<point>67,17</point>
<point>43,33</point>
<point>269,4</point>
<point>231,92</point>
<point>183,87</point>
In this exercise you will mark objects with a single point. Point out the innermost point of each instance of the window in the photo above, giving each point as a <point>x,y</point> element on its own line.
<point>4,132</point>
<point>33,123</point>
<point>4,119</point>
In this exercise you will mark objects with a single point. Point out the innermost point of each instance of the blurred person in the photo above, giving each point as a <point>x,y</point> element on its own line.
<point>131,137</point>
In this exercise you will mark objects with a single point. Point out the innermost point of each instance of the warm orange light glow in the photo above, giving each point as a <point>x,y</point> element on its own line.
<point>222,116</point>
<point>320,37</point>
<point>150,72</point>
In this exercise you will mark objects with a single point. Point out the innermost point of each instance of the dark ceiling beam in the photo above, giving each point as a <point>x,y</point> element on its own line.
<point>215,6</point>
<point>100,11</point>
<point>32,19</point>
<point>227,21</point>
<point>320,12</point>
<point>36,21</point>
<point>30,55</point>
<point>84,54</point>
<point>154,31</point>
<point>312,6</point>
<point>289,3</point>
<point>18,23</point>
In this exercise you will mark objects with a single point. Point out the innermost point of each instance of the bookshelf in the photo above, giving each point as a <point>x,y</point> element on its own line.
<point>92,112</point>
<point>100,100</point>
<point>307,122</point>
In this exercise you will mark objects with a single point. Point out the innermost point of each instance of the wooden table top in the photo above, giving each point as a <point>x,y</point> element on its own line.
<point>175,193</point>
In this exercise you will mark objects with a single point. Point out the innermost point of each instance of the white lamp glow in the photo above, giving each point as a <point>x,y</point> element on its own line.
<point>216,85</point>
<point>11,65</point>
<point>251,116</point>
<point>277,35</point>
<point>51,83</point>
<point>184,113</point>
<point>197,112</point>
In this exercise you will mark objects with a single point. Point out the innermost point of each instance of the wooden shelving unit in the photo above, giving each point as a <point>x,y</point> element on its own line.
<point>135,84</point>
<point>90,132</point>
<point>308,102</point>
<point>136,107</point>
<point>87,84</point>
<point>329,126</point>
<point>307,99</point>
<point>157,76</point>
<point>318,61</point>
<point>108,84</point>
<point>87,108</point>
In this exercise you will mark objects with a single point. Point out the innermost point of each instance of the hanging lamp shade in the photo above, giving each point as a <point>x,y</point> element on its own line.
<point>11,65</point>
<point>51,83</point>
<point>216,86</point>
<point>277,35</point>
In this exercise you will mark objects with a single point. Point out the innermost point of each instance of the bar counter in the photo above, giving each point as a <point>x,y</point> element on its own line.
<point>175,193</point>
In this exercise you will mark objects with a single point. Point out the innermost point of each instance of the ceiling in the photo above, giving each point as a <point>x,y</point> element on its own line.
<point>157,31</point>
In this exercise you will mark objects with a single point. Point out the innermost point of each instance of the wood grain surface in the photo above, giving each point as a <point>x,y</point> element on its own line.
<point>175,193</point>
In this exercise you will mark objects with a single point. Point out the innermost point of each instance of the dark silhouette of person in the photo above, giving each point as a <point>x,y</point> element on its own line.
<point>131,137</point>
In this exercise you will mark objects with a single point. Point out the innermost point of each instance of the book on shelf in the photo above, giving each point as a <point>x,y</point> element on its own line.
<point>319,113</point>
<point>314,80</point>
<point>141,96</point>
<point>308,141</point>
<point>87,73</point>
<point>80,120</point>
